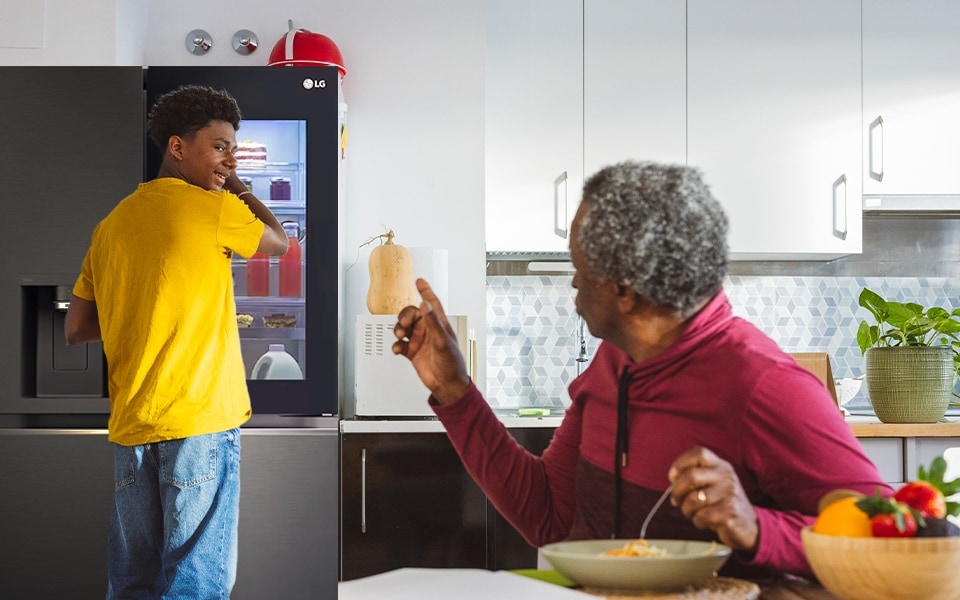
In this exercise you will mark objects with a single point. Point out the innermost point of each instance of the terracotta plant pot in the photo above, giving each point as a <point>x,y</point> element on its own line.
<point>910,384</point>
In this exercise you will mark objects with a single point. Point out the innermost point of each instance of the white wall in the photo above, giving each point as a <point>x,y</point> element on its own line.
<point>69,33</point>
<point>414,87</point>
<point>131,28</point>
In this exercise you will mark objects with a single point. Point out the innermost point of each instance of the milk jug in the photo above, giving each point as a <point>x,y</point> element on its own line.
<point>276,363</point>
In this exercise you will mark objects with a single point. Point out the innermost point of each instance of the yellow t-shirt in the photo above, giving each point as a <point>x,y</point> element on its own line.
<point>159,271</point>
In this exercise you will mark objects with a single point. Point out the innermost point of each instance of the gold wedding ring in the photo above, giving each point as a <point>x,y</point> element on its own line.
<point>701,496</point>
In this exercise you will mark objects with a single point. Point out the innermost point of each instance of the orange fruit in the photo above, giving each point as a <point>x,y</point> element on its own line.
<point>843,517</point>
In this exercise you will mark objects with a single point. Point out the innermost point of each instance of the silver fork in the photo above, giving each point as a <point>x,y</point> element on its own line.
<point>643,528</point>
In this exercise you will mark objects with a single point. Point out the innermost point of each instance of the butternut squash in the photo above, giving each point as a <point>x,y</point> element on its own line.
<point>392,286</point>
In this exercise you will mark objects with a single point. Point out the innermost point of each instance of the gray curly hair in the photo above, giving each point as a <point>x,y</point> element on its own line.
<point>657,228</point>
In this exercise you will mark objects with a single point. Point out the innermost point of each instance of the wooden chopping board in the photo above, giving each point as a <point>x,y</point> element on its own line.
<point>718,588</point>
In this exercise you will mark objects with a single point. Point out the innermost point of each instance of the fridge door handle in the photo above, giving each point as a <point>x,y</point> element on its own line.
<point>363,490</point>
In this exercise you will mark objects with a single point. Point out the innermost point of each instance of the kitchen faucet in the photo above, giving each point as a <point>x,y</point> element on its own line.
<point>582,342</point>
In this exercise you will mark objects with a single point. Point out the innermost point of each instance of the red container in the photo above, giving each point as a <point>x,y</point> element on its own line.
<point>290,263</point>
<point>258,275</point>
<point>304,48</point>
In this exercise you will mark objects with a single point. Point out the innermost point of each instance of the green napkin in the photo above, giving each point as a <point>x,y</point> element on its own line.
<point>550,576</point>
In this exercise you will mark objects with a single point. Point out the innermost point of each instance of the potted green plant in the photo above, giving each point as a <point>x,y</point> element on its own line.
<point>912,358</point>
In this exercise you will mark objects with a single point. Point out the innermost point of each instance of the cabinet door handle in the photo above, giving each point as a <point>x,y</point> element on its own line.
<point>876,148</point>
<point>840,211</point>
<point>363,490</point>
<point>560,195</point>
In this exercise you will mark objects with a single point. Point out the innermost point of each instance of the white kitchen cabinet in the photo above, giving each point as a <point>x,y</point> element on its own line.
<point>921,451</point>
<point>573,86</point>
<point>634,82</point>
<point>765,100</point>
<point>911,98</point>
<point>887,454</point>
<point>899,450</point>
<point>534,122</point>
<point>773,120</point>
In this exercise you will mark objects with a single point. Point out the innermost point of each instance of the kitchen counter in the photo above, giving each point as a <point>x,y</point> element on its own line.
<point>863,427</point>
<point>871,427</point>
<point>432,425</point>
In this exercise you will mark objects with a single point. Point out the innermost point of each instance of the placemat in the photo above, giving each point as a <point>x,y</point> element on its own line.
<point>718,588</point>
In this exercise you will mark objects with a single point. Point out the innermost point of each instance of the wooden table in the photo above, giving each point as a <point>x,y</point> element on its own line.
<point>481,583</point>
<point>726,588</point>
<point>794,590</point>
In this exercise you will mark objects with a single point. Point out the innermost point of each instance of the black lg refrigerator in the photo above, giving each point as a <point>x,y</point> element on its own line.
<point>73,145</point>
<point>290,156</point>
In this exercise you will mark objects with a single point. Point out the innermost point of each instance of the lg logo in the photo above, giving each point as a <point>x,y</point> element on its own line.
<point>309,84</point>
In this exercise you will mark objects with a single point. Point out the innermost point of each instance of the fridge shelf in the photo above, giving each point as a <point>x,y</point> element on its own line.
<point>297,206</point>
<point>269,302</point>
<point>270,170</point>
<point>272,333</point>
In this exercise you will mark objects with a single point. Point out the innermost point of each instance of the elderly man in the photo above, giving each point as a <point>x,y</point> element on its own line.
<point>681,395</point>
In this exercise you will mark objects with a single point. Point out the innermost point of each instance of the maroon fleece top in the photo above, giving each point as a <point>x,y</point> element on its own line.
<point>723,385</point>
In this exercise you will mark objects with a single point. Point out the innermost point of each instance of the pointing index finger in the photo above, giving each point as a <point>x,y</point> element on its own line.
<point>428,295</point>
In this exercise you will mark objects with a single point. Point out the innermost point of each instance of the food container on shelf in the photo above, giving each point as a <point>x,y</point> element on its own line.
<point>280,188</point>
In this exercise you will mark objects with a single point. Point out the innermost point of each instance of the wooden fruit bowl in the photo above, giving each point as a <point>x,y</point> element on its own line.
<point>854,568</point>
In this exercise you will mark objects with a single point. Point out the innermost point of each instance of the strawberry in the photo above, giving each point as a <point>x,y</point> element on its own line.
<point>924,497</point>
<point>934,477</point>
<point>890,517</point>
<point>899,524</point>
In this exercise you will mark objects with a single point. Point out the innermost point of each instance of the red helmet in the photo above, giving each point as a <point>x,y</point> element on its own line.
<point>303,48</point>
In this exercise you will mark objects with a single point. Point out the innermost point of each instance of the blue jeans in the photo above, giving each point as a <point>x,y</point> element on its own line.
<point>173,529</point>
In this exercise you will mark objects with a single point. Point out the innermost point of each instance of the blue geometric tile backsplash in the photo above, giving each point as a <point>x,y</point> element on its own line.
<point>533,340</point>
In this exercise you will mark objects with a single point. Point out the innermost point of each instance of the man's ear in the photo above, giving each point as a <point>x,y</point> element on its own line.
<point>175,147</point>
<point>627,297</point>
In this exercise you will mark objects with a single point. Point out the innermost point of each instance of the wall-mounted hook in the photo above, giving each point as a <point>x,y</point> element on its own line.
<point>198,42</point>
<point>245,42</point>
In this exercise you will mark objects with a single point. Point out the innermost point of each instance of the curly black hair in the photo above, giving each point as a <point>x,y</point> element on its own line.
<point>189,109</point>
<point>657,228</point>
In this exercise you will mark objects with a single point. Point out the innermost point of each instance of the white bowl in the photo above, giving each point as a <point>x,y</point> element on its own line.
<point>687,563</point>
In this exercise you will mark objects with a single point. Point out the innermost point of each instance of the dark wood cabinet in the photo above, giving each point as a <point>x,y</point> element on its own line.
<point>407,501</point>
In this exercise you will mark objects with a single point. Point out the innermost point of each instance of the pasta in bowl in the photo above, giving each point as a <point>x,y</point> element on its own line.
<point>639,548</point>
<point>624,565</point>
